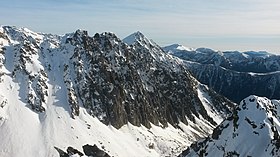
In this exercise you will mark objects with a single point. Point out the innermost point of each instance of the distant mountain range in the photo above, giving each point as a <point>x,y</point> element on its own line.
<point>233,74</point>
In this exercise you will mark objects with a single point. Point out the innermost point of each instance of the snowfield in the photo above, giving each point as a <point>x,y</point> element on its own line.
<point>252,130</point>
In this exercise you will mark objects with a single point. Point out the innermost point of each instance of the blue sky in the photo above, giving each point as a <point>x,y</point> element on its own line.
<point>218,24</point>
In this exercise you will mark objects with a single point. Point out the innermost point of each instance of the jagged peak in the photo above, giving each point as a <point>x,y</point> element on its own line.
<point>140,41</point>
<point>75,37</point>
<point>81,32</point>
<point>5,27</point>
<point>137,37</point>
<point>258,109</point>
<point>254,123</point>
<point>16,34</point>
<point>10,29</point>
<point>253,102</point>
<point>2,29</point>
<point>110,36</point>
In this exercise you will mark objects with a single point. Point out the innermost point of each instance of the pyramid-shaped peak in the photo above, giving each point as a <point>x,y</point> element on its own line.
<point>138,34</point>
<point>134,37</point>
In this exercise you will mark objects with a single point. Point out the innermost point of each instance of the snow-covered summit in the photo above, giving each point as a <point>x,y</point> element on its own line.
<point>63,92</point>
<point>234,74</point>
<point>147,46</point>
<point>134,37</point>
<point>252,130</point>
<point>250,61</point>
<point>139,38</point>
<point>18,34</point>
<point>173,47</point>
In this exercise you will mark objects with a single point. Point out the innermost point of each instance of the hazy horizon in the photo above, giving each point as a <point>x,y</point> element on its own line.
<point>241,25</point>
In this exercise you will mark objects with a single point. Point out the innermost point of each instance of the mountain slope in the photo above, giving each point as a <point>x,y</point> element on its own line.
<point>250,61</point>
<point>252,130</point>
<point>235,75</point>
<point>68,91</point>
<point>236,85</point>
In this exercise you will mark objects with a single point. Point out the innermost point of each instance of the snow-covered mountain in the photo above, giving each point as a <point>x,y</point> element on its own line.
<point>250,61</point>
<point>235,75</point>
<point>252,130</point>
<point>98,95</point>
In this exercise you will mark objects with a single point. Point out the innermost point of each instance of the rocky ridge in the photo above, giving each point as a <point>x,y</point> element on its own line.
<point>113,82</point>
<point>235,75</point>
<point>252,130</point>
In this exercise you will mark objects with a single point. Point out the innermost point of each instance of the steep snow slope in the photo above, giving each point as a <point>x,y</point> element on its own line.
<point>74,90</point>
<point>252,130</point>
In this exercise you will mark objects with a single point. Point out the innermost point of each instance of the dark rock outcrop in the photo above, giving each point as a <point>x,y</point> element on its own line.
<point>72,151</point>
<point>61,152</point>
<point>137,83</point>
<point>94,151</point>
<point>89,150</point>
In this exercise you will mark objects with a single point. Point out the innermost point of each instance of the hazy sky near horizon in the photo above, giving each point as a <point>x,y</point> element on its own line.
<point>223,25</point>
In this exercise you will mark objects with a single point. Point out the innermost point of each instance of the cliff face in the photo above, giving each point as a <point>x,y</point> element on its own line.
<point>62,80</point>
<point>139,84</point>
<point>125,83</point>
<point>116,83</point>
<point>237,85</point>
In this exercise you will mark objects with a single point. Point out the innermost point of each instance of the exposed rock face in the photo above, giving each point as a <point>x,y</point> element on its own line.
<point>94,151</point>
<point>89,150</point>
<point>237,85</point>
<point>116,82</point>
<point>21,65</point>
<point>235,75</point>
<point>58,90</point>
<point>124,83</point>
<point>252,130</point>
